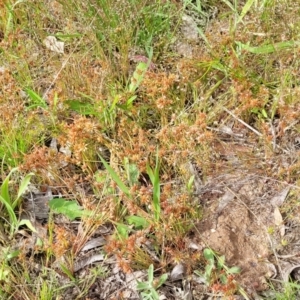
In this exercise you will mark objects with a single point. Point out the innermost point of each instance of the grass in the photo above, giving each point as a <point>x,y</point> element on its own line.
<point>132,113</point>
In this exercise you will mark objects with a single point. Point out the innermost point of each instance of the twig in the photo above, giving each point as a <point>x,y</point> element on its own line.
<point>254,130</point>
<point>241,121</point>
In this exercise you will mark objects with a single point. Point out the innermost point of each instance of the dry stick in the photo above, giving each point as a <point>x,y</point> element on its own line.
<point>241,121</point>
<point>252,129</point>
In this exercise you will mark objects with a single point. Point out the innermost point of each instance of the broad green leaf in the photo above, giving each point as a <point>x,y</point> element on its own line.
<point>115,177</point>
<point>123,230</point>
<point>23,186</point>
<point>208,271</point>
<point>142,286</point>
<point>36,99</point>
<point>70,209</point>
<point>208,254</point>
<point>138,222</point>
<point>153,295</point>
<point>83,108</point>
<point>150,273</point>
<point>223,278</point>
<point>138,76</point>
<point>162,280</point>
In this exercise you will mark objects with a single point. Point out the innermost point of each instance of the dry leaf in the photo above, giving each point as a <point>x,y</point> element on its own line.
<point>94,243</point>
<point>53,44</point>
<point>278,221</point>
<point>177,272</point>
<point>280,198</point>
<point>88,261</point>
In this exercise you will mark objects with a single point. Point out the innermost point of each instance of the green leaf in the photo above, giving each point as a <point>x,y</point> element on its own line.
<point>221,262</point>
<point>234,270</point>
<point>65,37</point>
<point>264,113</point>
<point>143,286</point>
<point>28,224</point>
<point>154,294</point>
<point>123,230</point>
<point>162,280</point>
<point>5,188</point>
<point>12,254</point>
<point>138,222</point>
<point>23,186</point>
<point>132,172</point>
<point>138,76</point>
<point>12,216</point>
<point>115,177</point>
<point>66,270</point>
<point>36,99</point>
<point>151,273</point>
<point>208,254</point>
<point>269,48</point>
<point>83,108</point>
<point>223,278</point>
<point>70,209</point>
<point>190,183</point>
<point>245,9</point>
<point>208,271</point>
<point>154,177</point>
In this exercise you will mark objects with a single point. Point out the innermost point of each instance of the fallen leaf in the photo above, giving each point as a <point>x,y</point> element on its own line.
<point>178,272</point>
<point>280,198</point>
<point>53,44</point>
<point>278,221</point>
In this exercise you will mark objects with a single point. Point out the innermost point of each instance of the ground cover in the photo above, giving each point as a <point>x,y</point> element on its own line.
<point>149,149</point>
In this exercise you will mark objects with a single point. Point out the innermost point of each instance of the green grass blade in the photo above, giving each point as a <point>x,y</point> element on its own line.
<point>12,216</point>
<point>28,224</point>
<point>154,177</point>
<point>156,190</point>
<point>5,189</point>
<point>229,5</point>
<point>115,177</point>
<point>245,9</point>
<point>150,174</point>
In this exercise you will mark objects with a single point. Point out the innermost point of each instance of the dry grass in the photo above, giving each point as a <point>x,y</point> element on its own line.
<point>175,119</point>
